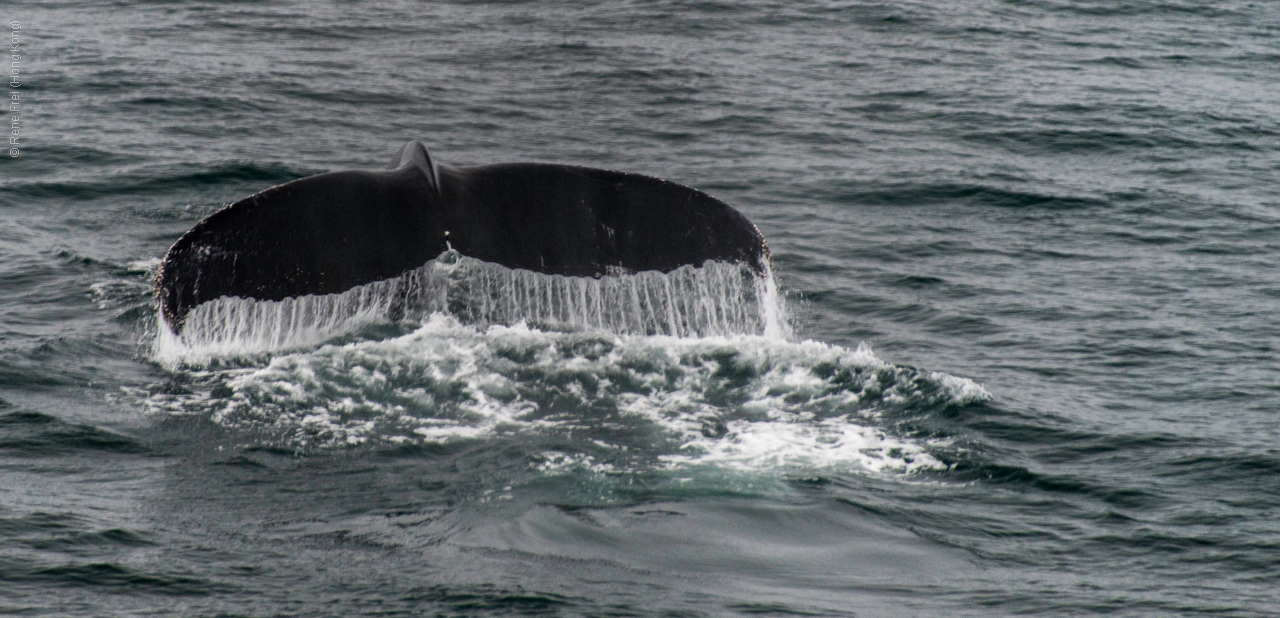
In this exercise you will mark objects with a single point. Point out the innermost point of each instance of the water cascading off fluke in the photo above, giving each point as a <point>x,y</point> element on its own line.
<point>331,233</point>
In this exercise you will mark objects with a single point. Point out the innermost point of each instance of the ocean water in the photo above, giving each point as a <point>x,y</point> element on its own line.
<point>1016,355</point>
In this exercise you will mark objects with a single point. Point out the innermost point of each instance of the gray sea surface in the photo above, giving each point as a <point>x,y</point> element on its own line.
<point>1027,251</point>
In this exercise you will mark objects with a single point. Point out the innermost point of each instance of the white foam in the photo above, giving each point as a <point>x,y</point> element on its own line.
<point>743,402</point>
<point>147,266</point>
<point>791,442</point>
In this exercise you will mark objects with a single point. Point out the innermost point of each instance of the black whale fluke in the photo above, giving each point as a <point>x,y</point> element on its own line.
<point>329,233</point>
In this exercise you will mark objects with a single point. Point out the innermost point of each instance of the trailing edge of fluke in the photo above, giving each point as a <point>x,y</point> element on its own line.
<point>329,233</point>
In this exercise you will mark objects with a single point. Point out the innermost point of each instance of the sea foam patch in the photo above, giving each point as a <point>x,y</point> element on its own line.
<point>614,402</point>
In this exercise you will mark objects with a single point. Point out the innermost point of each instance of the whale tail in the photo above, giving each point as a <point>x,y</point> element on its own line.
<point>329,233</point>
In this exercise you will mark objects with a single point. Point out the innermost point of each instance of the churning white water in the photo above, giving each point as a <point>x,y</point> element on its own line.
<point>715,299</point>
<point>697,365</point>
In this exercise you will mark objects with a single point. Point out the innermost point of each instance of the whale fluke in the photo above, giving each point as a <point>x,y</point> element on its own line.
<point>329,233</point>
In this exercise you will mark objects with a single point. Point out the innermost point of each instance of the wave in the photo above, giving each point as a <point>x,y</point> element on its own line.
<point>982,195</point>
<point>32,434</point>
<point>148,181</point>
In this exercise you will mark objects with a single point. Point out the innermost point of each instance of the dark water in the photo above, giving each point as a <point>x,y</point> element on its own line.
<point>1055,223</point>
